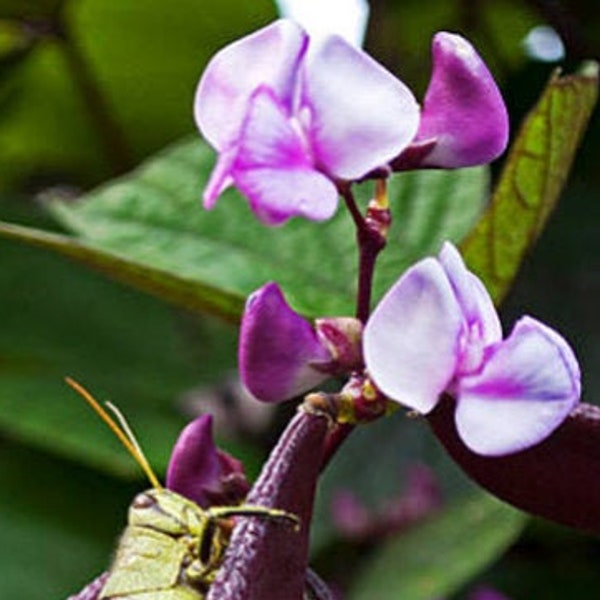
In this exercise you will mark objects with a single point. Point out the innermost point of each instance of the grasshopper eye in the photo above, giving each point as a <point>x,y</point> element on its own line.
<point>143,500</point>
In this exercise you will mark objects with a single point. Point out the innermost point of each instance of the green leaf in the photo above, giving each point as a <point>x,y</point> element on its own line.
<point>532,179</point>
<point>438,557</point>
<point>58,320</point>
<point>59,522</point>
<point>186,293</point>
<point>152,220</point>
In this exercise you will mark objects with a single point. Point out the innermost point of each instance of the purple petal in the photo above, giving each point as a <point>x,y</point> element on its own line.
<point>270,56</point>
<point>482,325</point>
<point>347,18</point>
<point>463,109</point>
<point>358,115</point>
<point>194,461</point>
<point>279,352</point>
<point>220,178</point>
<point>274,170</point>
<point>529,384</point>
<point>411,340</point>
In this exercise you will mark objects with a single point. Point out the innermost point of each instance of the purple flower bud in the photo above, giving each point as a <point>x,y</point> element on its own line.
<point>291,117</point>
<point>436,330</point>
<point>420,497</point>
<point>350,517</point>
<point>464,120</point>
<point>342,336</point>
<point>201,472</point>
<point>486,593</point>
<point>280,354</point>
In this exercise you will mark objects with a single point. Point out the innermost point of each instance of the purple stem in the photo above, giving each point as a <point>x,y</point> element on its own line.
<point>370,243</point>
<point>268,559</point>
<point>335,438</point>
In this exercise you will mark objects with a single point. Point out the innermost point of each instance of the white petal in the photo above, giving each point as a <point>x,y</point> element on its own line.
<point>410,341</point>
<point>357,114</point>
<point>528,386</point>
<point>270,56</point>
<point>474,300</point>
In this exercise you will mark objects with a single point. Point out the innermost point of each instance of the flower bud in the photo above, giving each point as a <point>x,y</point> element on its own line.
<point>342,336</point>
<point>201,472</point>
<point>464,120</point>
<point>280,354</point>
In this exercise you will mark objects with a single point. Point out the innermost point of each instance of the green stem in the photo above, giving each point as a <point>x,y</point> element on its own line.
<point>111,137</point>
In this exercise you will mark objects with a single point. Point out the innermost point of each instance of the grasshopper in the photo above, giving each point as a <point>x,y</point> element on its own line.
<point>171,548</point>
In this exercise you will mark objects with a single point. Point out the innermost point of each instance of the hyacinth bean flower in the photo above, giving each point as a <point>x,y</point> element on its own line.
<point>291,117</point>
<point>436,331</point>
<point>198,470</point>
<point>464,121</point>
<point>281,355</point>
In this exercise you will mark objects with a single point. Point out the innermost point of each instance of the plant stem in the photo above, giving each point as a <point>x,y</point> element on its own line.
<point>371,238</point>
<point>108,130</point>
<point>370,242</point>
<point>335,438</point>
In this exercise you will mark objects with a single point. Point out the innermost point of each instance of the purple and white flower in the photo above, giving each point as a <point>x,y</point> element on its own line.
<point>291,116</point>
<point>436,331</point>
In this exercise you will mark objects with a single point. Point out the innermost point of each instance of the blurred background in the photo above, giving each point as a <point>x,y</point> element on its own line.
<point>88,89</point>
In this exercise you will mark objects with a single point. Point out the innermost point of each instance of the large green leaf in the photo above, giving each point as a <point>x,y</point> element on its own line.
<point>153,218</point>
<point>58,320</point>
<point>532,179</point>
<point>436,558</point>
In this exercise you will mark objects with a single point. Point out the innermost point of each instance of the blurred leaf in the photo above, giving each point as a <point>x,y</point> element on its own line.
<point>60,320</point>
<point>436,558</point>
<point>58,521</point>
<point>153,218</point>
<point>532,179</point>
<point>402,444</point>
<point>29,9</point>
<point>400,33</point>
<point>186,293</point>
<point>139,59</point>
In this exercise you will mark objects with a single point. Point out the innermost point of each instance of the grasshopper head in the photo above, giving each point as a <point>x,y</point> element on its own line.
<point>165,511</point>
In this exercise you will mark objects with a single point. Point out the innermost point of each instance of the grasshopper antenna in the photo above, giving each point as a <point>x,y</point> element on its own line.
<point>122,430</point>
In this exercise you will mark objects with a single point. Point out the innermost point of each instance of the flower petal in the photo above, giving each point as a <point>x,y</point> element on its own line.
<point>279,352</point>
<point>482,325</point>
<point>220,178</point>
<point>411,339</point>
<point>270,56</point>
<point>274,170</point>
<point>198,470</point>
<point>358,115</point>
<point>529,384</point>
<point>463,109</point>
<point>347,18</point>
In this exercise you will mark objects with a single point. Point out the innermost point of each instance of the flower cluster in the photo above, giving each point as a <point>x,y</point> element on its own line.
<point>436,331</point>
<point>292,117</point>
